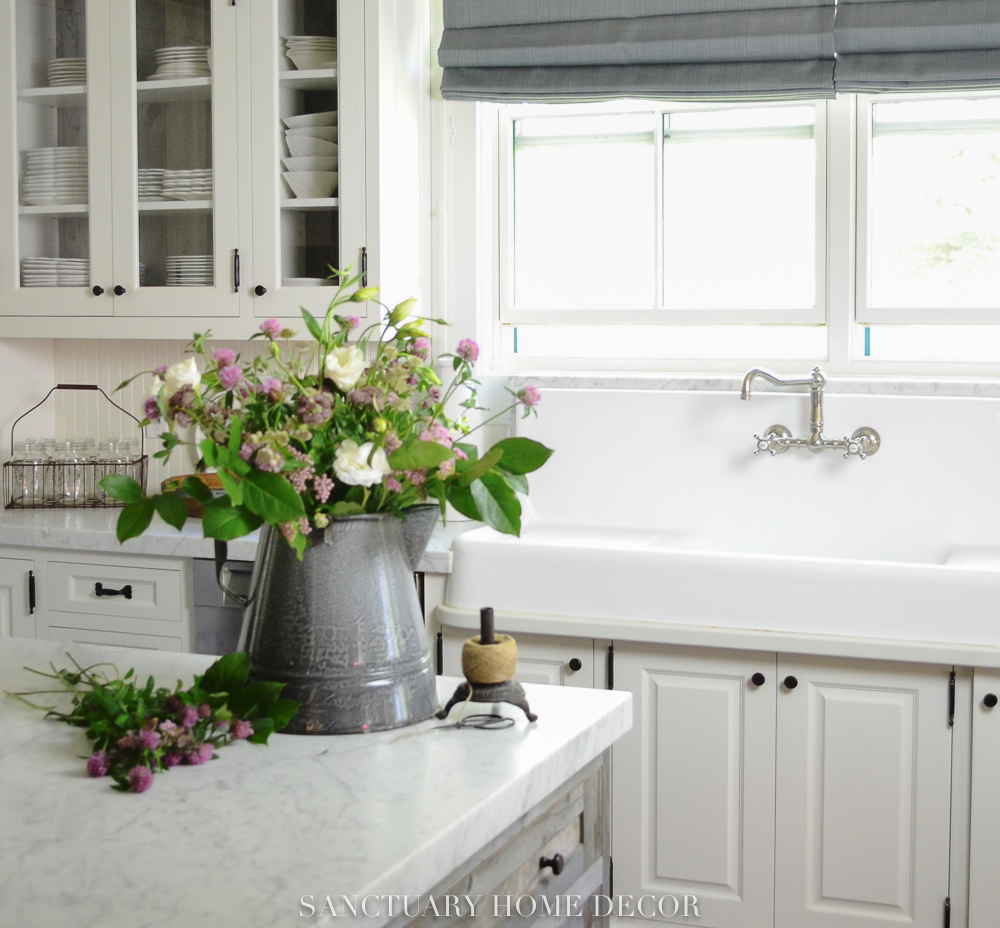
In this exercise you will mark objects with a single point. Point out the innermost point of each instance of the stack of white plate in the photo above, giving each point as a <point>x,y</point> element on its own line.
<point>151,183</point>
<point>55,176</point>
<point>55,272</point>
<point>66,72</point>
<point>181,61</point>
<point>142,274</point>
<point>313,135</point>
<point>310,52</point>
<point>187,185</point>
<point>190,270</point>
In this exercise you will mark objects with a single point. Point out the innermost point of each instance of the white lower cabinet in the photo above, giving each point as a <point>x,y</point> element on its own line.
<point>864,794</point>
<point>693,784</point>
<point>17,618</point>
<point>984,859</point>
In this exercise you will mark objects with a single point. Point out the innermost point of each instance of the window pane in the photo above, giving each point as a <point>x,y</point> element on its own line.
<point>584,213</point>
<point>934,205</point>
<point>739,209</point>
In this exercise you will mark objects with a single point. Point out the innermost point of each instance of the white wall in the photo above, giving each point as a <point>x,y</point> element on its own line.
<point>28,374</point>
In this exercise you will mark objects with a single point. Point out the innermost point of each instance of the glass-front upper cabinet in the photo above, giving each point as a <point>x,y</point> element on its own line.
<point>55,157</point>
<point>175,152</point>
<point>307,108</point>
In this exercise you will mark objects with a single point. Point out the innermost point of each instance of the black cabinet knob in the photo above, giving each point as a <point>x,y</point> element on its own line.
<point>790,682</point>
<point>556,862</point>
<point>98,290</point>
<point>575,664</point>
<point>259,290</point>
<point>119,290</point>
<point>758,679</point>
<point>990,700</point>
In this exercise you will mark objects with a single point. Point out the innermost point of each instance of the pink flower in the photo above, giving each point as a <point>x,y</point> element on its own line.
<point>422,347</point>
<point>189,717</point>
<point>323,487</point>
<point>352,321</point>
<point>437,433</point>
<point>416,477</point>
<point>173,704</point>
<point>241,729</point>
<point>271,328</point>
<point>467,350</point>
<point>224,357</point>
<point>128,743</point>
<point>97,764</point>
<point>269,460</point>
<point>229,377</point>
<point>289,530</point>
<point>530,396</point>
<point>435,394</point>
<point>172,758</point>
<point>392,443</point>
<point>315,410</point>
<point>182,419</point>
<point>167,725</point>
<point>391,483</point>
<point>149,740</point>
<point>161,370</point>
<point>247,450</point>
<point>140,778</point>
<point>204,710</point>
<point>200,753</point>
<point>272,388</point>
<point>459,453</point>
<point>152,408</point>
<point>299,478</point>
<point>446,468</point>
<point>304,527</point>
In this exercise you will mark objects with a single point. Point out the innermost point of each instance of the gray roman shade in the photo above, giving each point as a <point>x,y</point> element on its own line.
<point>917,44</point>
<point>579,50</point>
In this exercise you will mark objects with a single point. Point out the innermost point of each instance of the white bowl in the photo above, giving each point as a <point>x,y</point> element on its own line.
<point>310,164</point>
<point>300,146</point>
<point>315,132</point>
<point>312,61</point>
<point>309,185</point>
<point>311,119</point>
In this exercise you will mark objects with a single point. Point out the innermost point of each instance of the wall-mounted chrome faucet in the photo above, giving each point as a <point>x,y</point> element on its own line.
<point>777,439</point>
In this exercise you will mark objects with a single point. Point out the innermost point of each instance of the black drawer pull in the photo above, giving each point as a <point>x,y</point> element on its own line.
<point>790,682</point>
<point>990,700</point>
<point>125,591</point>
<point>556,862</point>
<point>758,679</point>
<point>575,664</point>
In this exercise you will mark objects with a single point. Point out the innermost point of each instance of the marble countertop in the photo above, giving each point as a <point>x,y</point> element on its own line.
<point>240,840</point>
<point>94,530</point>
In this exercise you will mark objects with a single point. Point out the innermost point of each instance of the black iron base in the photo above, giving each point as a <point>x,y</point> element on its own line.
<point>509,691</point>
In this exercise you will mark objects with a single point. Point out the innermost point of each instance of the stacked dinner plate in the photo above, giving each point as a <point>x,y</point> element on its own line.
<point>309,52</point>
<point>55,272</point>
<point>151,183</point>
<point>187,185</point>
<point>190,270</point>
<point>55,176</point>
<point>181,61</point>
<point>66,72</point>
<point>312,135</point>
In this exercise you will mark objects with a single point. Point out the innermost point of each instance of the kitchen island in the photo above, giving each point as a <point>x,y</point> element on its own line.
<point>263,835</point>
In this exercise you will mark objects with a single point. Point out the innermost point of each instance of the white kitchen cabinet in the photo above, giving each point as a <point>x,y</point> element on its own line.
<point>864,793</point>
<point>245,246</point>
<point>693,783</point>
<point>984,857</point>
<point>17,619</point>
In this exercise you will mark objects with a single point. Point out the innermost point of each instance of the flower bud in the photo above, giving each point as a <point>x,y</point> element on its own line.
<point>380,425</point>
<point>365,294</point>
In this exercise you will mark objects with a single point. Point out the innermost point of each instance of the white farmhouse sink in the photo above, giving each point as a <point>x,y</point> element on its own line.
<point>665,577</point>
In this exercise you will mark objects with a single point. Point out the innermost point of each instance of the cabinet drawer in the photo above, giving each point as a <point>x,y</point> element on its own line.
<point>118,639</point>
<point>156,594</point>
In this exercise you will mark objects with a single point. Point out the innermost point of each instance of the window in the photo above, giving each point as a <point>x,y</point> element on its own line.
<point>855,231</point>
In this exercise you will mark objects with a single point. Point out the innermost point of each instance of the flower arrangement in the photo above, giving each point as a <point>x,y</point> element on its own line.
<point>352,422</point>
<point>139,731</point>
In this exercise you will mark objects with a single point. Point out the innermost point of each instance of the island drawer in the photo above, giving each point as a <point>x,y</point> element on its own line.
<point>97,589</point>
<point>118,639</point>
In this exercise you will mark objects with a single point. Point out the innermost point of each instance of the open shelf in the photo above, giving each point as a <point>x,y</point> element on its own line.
<point>70,95</point>
<point>185,88</point>
<point>323,79</point>
<point>159,207</point>
<point>310,205</point>
<point>72,209</point>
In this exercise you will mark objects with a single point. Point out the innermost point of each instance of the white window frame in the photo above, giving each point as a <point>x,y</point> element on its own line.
<point>868,315</point>
<point>509,313</point>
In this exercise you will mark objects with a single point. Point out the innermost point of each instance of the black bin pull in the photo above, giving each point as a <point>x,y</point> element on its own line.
<point>100,590</point>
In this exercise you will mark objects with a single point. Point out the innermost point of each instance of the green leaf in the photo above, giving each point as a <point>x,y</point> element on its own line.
<point>471,451</point>
<point>227,522</point>
<point>232,486</point>
<point>283,711</point>
<point>312,325</point>
<point>419,455</point>
<point>171,509</point>
<point>227,674</point>
<point>135,519</point>
<point>235,436</point>
<point>197,490</point>
<point>461,498</point>
<point>209,451</point>
<point>522,455</point>
<point>480,467</point>
<point>498,503</point>
<point>517,482</point>
<point>344,508</point>
<point>271,497</point>
<point>118,486</point>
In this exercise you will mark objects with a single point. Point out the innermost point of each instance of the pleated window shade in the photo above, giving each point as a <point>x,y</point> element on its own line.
<point>589,50</point>
<point>892,45</point>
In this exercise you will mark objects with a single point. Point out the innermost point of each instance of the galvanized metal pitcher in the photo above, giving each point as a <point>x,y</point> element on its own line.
<point>342,628</point>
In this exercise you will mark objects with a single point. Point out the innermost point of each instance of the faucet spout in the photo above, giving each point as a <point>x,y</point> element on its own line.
<point>816,378</point>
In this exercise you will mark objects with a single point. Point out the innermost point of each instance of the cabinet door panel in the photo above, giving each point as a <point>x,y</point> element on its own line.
<point>694,782</point>
<point>863,776</point>
<point>16,620</point>
<point>984,883</point>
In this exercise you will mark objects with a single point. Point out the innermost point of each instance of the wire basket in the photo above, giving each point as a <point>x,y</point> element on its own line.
<point>68,484</point>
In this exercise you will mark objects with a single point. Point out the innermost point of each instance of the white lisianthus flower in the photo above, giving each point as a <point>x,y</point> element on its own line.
<point>350,464</point>
<point>182,374</point>
<point>344,366</point>
<point>154,387</point>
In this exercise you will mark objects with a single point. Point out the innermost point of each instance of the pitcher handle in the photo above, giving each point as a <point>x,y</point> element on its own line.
<point>221,556</point>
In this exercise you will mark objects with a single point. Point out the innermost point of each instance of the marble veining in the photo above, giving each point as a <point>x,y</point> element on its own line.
<point>93,530</point>
<point>240,840</point>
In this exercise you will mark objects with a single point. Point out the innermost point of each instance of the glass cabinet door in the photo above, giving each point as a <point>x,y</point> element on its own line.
<point>308,119</point>
<point>55,159</point>
<point>175,153</point>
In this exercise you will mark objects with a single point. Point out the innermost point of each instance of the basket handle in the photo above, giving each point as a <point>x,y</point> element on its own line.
<point>80,386</point>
